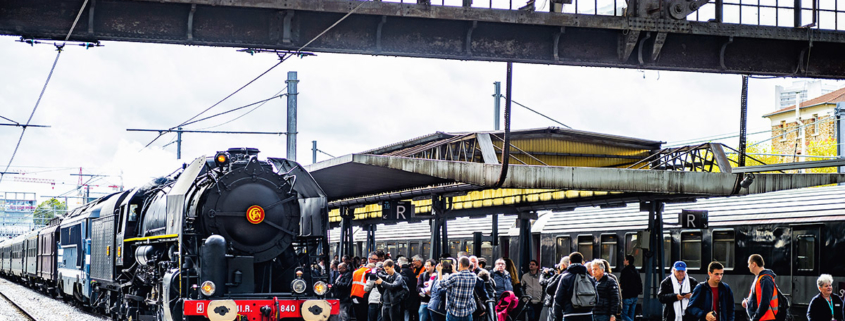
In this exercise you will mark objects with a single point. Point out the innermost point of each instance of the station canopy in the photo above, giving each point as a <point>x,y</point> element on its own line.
<point>550,169</point>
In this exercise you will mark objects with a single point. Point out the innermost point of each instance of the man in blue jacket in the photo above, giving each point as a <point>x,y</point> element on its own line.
<point>712,300</point>
<point>563,296</point>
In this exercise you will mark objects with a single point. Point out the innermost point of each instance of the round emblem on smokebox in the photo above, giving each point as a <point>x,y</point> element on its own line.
<point>255,214</point>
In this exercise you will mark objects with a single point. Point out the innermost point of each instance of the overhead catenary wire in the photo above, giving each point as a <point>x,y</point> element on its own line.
<point>233,110</point>
<point>37,102</point>
<point>537,112</point>
<point>10,120</point>
<point>185,123</point>
<point>332,26</point>
<point>43,89</point>
<point>246,113</point>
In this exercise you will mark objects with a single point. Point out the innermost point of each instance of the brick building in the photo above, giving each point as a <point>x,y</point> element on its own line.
<point>817,116</point>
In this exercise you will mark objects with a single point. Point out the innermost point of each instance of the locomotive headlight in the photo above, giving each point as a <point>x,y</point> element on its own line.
<point>320,288</point>
<point>222,158</point>
<point>208,288</point>
<point>298,286</point>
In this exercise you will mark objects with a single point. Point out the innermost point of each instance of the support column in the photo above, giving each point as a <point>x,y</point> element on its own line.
<point>346,237</point>
<point>291,132</point>
<point>494,235</point>
<point>839,114</point>
<point>438,209</point>
<point>653,257</point>
<point>371,238</point>
<point>524,243</point>
<point>179,143</point>
<point>313,151</point>
<point>497,100</point>
<point>743,121</point>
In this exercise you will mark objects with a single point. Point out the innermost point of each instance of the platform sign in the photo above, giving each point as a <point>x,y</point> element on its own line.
<point>693,219</point>
<point>396,211</point>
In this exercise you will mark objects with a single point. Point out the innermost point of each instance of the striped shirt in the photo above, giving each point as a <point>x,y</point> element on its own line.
<point>459,290</point>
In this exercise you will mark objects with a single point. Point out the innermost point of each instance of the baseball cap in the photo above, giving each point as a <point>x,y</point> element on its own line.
<point>680,266</point>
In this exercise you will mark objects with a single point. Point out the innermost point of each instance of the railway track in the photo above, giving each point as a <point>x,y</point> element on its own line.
<point>18,307</point>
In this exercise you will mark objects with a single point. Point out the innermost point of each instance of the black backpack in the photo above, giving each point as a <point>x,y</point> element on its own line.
<point>783,307</point>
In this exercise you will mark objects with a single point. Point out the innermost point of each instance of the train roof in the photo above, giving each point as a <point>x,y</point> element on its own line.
<point>806,205</point>
<point>791,206</point>
<point>461,227</point>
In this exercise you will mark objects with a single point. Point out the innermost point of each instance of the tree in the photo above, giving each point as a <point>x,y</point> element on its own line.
<point>48,209</point>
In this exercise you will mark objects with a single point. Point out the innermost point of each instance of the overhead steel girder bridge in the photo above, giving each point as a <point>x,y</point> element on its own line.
<point>658,39</point>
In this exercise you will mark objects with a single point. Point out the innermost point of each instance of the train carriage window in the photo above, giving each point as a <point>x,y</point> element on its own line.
<point>632,247</point>
<point>608,248</point>
<point>667,251</point>
<point>415,250</point>
<point>487,251</point>
<point>806,253</point>
<point>468,247</point>
<point>380,246</point>
<point>391,248</point>
<point>454,248</point>
<point>563,246</point>
<point>723,248</point>
<point>585,246</point>
<point>691,249</point>
<point>426,249</point>
<point>403,249</point>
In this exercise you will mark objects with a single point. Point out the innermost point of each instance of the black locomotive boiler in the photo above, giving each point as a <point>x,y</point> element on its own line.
<point>228,237</point>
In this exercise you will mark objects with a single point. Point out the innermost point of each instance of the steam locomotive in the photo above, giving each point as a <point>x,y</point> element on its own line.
<point>228,237</point>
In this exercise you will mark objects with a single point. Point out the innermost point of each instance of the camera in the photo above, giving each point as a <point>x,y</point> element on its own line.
<point>372,276</point>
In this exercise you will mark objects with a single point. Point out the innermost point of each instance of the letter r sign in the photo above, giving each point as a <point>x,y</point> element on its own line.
<point>696,219</point>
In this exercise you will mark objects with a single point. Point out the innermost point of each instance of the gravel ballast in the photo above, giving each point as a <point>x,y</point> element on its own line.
<point>40,306</point>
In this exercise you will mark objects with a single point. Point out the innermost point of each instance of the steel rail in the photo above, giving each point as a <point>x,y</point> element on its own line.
<point>18,307</point>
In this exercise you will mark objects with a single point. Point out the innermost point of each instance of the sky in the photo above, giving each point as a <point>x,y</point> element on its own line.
<point>347,103</point>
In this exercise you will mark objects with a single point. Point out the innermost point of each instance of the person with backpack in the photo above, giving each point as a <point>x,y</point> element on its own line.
<point>576,292</point>
<point>631,286</point>
<point>675,292</point>
<point>712,300</point>
<point>393,291</point>
<point>825,306</point>
<point>762,301</point>
<point>607,289</point>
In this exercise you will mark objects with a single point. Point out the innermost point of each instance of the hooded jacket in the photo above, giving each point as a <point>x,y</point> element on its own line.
<point>484,288</point>
<point>757,310</point>
<point>563,296</point>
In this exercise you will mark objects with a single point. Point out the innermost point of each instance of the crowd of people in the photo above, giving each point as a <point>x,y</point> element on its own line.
<point>462,289</point>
